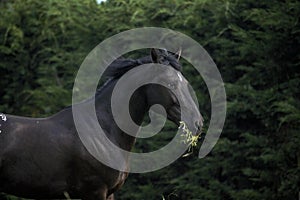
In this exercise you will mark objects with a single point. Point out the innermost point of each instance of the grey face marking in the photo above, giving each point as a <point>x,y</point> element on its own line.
<point>179,76</point>
<point>3,118</point>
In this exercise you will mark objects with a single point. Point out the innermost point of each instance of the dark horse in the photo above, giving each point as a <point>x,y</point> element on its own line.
<point>45,158</point>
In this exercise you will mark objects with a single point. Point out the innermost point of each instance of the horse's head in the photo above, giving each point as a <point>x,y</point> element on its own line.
<point>176,96</point>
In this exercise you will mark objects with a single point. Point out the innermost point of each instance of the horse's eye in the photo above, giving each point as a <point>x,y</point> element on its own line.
<point>171,85</point>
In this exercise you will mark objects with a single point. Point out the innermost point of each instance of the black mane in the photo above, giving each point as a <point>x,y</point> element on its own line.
<point>122,65</point>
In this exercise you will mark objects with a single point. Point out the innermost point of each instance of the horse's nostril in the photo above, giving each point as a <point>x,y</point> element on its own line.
<point>198,125</point>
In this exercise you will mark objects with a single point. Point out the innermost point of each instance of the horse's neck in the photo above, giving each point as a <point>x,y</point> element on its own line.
<point>106,119</point>
<point>102,103</point>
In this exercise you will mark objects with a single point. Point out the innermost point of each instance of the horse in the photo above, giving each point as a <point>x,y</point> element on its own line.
<point>45,158</point>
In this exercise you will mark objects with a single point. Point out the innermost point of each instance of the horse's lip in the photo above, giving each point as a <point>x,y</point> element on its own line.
<point>197,133</point>
<point>174,114</point>
<point>199,128</point>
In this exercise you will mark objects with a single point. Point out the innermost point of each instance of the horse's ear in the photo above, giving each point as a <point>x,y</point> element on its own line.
<point>178,54</point>
<point>154,55</point>
<point>158,55</point>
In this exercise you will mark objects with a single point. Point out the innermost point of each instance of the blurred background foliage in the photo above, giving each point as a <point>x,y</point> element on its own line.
<point>255,45</point>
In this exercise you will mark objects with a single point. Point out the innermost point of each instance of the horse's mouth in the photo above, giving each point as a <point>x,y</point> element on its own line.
<point>174,114</point>
<point>199,125</point>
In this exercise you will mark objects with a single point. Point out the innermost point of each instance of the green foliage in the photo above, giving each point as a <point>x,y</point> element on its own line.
<point>41,48</point>
<point>255,45</point>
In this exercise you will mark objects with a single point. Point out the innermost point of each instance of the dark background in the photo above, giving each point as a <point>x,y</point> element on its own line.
<point>255,45</point>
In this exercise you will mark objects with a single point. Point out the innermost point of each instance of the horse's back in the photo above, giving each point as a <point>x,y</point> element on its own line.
<point>44,157</point>
<point>34,156</point>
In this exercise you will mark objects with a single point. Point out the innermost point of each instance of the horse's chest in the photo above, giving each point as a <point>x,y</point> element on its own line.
<point>120,180</point>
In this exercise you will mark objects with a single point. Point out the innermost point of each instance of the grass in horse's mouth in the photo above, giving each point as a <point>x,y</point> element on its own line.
<point>188,138</point>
